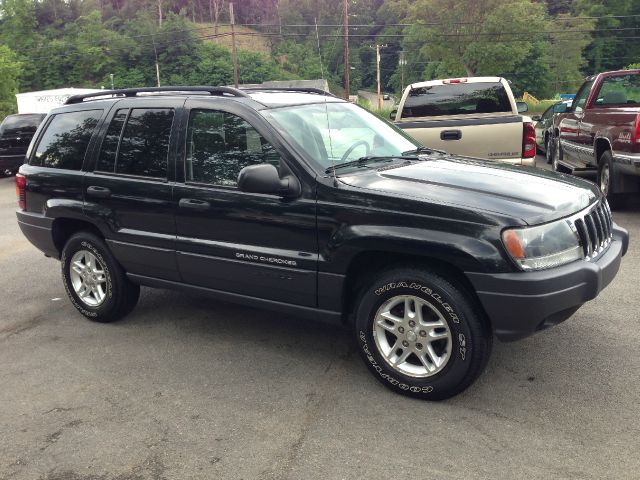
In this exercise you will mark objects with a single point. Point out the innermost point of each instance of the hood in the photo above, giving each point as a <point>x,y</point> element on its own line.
<point>532,195</point>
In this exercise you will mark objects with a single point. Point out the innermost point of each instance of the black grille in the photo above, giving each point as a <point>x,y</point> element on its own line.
<point>594,230</point>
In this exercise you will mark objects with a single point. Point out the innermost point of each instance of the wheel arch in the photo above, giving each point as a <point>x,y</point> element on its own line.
<point>368,264</point>
<point>601,145</point>
<point>64,227</point>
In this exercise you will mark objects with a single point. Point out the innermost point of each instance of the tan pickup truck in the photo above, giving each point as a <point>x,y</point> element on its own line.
<point>475,117</point>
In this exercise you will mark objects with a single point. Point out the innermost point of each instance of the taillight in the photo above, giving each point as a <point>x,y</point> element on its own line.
<point>454,80</point>
<point>528,140</point>
<point>636,135</point>
<point>21,183</point>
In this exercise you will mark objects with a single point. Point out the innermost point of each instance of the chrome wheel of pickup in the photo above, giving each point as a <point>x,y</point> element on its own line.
<point>88,278</point>
<point>412,336</point>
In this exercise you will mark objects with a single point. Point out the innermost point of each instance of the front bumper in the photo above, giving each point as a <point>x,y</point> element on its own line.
<point>520,304</point>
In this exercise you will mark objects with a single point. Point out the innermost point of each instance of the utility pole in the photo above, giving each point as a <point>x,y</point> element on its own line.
<point>347,67</point>
<point>378,47</point>
<point>234,53</point>
<point>402,62</point>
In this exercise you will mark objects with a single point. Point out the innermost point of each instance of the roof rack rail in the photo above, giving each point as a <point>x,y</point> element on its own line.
<point>132,92</point>
<point>317,91</point>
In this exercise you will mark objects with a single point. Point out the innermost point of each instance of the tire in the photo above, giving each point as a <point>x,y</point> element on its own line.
<point>95,283</point>
<point>450,362</point>
<point>616,201</point>
<point>548,150</point>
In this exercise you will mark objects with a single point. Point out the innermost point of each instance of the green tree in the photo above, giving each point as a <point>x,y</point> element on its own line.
<point>499,37</point>
<point>9,73</point>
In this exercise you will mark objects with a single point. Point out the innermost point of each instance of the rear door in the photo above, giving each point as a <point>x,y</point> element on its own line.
<point>130,187</point>
<point>256,245</point>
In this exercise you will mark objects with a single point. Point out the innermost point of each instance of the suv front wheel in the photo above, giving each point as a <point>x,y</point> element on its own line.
<point>95,282</point>
<point>419,334</point>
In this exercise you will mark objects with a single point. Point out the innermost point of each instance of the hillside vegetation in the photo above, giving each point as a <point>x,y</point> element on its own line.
<point>543,47</point>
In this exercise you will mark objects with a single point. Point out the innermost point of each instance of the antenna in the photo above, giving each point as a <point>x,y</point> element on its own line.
<point>326,108</point>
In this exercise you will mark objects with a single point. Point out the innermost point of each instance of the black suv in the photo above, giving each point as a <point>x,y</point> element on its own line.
<point>306,204</point>
<point>16,132</point>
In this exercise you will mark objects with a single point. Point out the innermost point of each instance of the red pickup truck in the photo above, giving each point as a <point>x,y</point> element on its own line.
<point>600,133</point>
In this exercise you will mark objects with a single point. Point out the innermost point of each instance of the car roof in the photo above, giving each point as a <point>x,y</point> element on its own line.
<point>257,98</point>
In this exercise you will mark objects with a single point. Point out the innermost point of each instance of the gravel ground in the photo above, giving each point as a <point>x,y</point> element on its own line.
<point>186,387</point>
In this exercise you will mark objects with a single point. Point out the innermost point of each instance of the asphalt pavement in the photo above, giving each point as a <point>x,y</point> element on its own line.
<point>187,387</point>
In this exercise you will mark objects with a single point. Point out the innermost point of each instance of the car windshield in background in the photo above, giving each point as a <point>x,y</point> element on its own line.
<point>20,123</point>
<point>456,99</point>
<point>335,133</point>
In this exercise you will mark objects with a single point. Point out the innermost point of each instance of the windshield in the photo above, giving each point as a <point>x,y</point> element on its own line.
<point>335,133</point>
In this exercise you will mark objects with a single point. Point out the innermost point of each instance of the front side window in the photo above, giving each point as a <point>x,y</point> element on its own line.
<point>220,144</point>
<point>620,90</point>
<point>456,99</point>
<point>65,141</point>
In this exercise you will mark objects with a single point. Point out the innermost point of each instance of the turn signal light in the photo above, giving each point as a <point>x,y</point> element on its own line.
<point>513,244</point>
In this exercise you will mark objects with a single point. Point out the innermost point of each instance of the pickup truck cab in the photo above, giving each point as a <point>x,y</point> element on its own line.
<point>476,117</point>
<point>311,206</point>
<point>599,133</point>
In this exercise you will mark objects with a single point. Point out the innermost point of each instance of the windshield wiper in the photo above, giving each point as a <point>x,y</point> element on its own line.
<point>370,159</point>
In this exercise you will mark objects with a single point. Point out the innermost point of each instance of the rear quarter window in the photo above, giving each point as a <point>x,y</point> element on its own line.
<point>66,138</point>
<point>456,99</point>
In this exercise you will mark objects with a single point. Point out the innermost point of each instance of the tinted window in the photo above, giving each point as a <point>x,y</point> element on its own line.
<point>144,146</point>
<point>219,145</point>
<point>620,90</point>
<point>456,99</point>
<point>21,124</point>
<point>109,148</point>
<point>64,143</point>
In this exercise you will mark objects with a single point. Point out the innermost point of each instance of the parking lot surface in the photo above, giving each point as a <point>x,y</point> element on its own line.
<point>187,387</point>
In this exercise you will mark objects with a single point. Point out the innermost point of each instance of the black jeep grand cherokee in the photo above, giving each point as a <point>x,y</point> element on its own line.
<point>306,204</point>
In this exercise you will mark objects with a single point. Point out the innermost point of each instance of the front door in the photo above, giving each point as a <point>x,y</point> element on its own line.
<point>130,187</point>
<point>570,128</point>
<point>256,245</point>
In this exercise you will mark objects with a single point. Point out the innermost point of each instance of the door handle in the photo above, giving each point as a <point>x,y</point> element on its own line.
<point>98,192</point>
<point>193,204</point>
<point>450,135</point>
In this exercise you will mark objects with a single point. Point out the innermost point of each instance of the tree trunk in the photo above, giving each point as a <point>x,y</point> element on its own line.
<point>160,13</point>
<point>469,70</point>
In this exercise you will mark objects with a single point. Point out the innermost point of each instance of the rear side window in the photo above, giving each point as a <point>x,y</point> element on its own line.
<point>65,141</point>
<point>456,99</point>
<point>620,90</point>
<point>139,148</point>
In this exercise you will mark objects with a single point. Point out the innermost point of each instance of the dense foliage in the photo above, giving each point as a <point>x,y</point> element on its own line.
<point>543,47</point>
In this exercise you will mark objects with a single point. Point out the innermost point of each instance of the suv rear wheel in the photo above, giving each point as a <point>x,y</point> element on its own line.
<point>420,336</point>
<point>95,282</point>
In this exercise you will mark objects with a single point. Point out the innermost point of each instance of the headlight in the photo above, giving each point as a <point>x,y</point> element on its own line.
<point>543,246</point>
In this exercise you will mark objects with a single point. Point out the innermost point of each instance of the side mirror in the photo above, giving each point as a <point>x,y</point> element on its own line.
<point>522,107</point>
<point>392,114</point>
<point>264,178</point>
<point>536,118</point>
<point>560,108</point>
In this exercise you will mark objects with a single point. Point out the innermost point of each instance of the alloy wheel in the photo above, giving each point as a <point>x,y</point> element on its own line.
<point>412,336</point>
<point>88,278</point>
